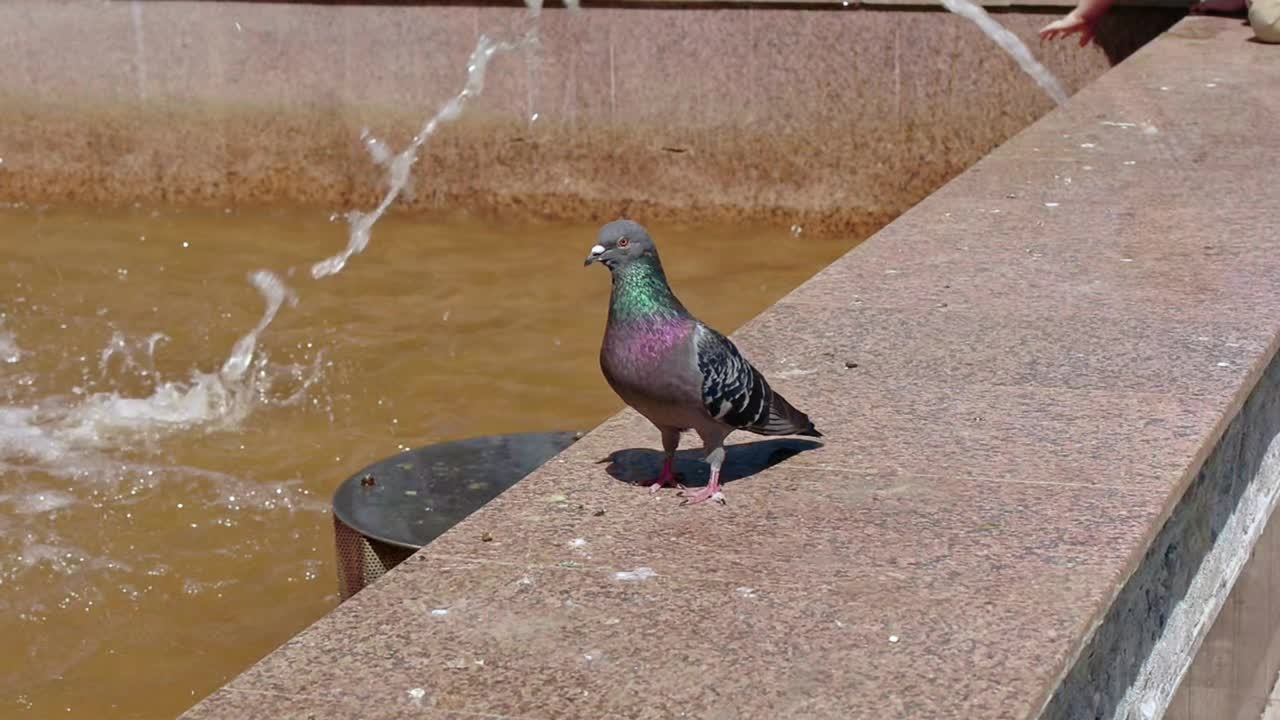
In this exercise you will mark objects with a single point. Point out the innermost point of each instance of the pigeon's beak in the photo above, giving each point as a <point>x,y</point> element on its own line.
<point>596,252</point>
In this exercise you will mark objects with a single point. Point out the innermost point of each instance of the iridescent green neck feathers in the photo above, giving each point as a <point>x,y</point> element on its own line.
<point>640,292</point>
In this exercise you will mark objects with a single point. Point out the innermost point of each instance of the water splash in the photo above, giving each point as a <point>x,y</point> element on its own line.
<point>59,433</point>
<point>360,224</point>
<point>1010,44</point>
<point>81,451</point>
<point>274,292</point>
<point>10,353</point>
<point>205,399</point>
<point>135,356</point>
<point>130,402</point>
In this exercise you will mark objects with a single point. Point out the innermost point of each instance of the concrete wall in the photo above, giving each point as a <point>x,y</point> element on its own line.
<point>828,117</point>
<point>1233,676</point>
<point>1156,638</point>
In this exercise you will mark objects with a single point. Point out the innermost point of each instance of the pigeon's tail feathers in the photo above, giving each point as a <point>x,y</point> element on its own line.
<point>736,394</point>
<point>784,419</point>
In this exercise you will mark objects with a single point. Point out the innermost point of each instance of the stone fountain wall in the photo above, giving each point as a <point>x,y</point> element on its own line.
<point>826,116</point>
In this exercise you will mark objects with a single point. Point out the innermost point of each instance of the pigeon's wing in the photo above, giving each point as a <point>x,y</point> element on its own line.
<point>736,394</point>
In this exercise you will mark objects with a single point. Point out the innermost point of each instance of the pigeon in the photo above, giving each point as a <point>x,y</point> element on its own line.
<point>675,370</point>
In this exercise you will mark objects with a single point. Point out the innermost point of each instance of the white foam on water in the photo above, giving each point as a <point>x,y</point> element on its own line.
<point>10,353</point>
<point>1010,44</point>
<point>220,399</point>
<point>23,439</point>
<point>60,558</point>
<point>60,434</point>
<point>42,502</point>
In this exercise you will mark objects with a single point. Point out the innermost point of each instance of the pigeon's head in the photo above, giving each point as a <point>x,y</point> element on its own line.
<point>621,242</point>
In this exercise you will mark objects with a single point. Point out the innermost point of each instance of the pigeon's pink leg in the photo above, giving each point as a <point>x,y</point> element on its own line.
<point>710,492</point>
<point>715,458</point>
<point>667,478</point>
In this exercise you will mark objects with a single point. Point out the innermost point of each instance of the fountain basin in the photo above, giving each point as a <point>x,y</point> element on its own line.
<point>981,503</point>
<point>1049,451</point>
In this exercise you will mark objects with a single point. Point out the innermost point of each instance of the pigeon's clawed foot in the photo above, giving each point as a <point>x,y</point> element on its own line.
<point>660,483</point>
<point>709,492</point>
<point>667,478</point>
<point>715,458</point>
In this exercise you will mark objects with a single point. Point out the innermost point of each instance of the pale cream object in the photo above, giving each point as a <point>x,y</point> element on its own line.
<point>1264,16</point>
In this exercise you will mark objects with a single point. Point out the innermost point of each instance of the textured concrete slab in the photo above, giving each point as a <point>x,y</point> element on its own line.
<point>993,473</point>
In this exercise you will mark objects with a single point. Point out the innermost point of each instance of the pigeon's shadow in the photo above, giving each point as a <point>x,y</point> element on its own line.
<point>640,466</point>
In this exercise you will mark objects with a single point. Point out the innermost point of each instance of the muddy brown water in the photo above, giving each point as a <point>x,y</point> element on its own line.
<point>162,527</point>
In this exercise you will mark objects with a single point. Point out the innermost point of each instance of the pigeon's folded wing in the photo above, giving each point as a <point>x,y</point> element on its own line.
<point>737,394</point>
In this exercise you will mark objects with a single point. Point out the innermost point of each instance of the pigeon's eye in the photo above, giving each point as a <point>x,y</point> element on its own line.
<point>623,242</point>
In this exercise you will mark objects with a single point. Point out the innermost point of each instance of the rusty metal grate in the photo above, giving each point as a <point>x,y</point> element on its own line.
<point>361,560</point>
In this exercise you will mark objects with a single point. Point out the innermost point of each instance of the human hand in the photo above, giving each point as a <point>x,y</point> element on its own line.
<point>1073,22</point>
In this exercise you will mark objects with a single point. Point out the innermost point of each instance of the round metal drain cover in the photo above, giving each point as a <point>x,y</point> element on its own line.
<point>388,510</point>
